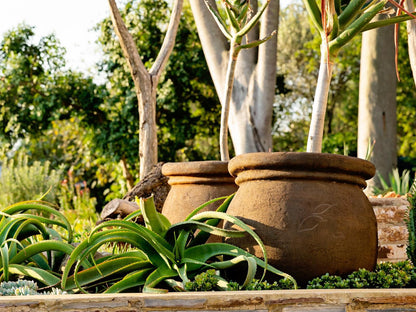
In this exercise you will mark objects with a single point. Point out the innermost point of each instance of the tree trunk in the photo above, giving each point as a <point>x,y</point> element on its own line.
<point>411,37</point>
<point>377,101</point>
<point>250,119</point>
<point>146,81</point>
<point>316,129</point>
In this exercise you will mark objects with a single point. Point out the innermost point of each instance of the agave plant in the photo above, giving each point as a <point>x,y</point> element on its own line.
<point>30,244</point>
<point>160,254</point>
<point>338,22</point>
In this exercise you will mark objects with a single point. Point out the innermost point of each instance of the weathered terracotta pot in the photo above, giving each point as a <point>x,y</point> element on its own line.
<point>194,183</point>
<point>309,209</point>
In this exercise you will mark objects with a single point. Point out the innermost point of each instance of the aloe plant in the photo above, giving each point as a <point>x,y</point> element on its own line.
<point>338,24</point>
<point>235,25</point>
<point>160,253</point>
<point>31,244</point>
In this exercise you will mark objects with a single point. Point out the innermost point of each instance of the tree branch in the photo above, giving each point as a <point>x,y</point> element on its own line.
<point>129,47</point>
<point>168,42</point>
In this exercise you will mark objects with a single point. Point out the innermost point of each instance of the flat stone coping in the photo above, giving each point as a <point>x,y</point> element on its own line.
<point>339,300</point>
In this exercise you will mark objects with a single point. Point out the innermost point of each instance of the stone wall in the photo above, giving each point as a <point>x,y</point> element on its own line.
<point>331,300</point>
<point>392,229</point>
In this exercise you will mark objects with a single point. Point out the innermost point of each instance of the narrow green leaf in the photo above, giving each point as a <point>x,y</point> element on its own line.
<point>218,19</point>
<point>195,225</point>
<point>222,208</point>
<point>132,280</point>
<point>4,250</point>
<point>157,276</point>
<point>39,247</point>
<point>314,13</point>
<point>41,207</point>
<point>154,221</point>
<point>40,275</point>
<point>253,21</point>
<point>257,42</point>
<point>350,12</point>
<point>355,27</point>
<point>120,266</point>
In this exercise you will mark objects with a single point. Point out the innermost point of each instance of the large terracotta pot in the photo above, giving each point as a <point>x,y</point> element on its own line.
<point>194,183</point>
<point>309,209</point>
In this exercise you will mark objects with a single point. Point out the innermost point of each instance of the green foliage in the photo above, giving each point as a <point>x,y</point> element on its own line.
<point>386,275</point>
<point>399,184</point>
<point>35,91</point>
<point>20,180</point>
<point>411,224</point>
<point>160,254</point>
<point>78,206</point>
<point>30,245</point>
<point>187,108</point>
<point>205,281</point>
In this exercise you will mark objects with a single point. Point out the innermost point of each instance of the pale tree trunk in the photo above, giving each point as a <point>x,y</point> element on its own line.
<point>411,37</point>
<point>316,129</point>
<point>145,81</point>
<point>250,117</point>
<point>377,101</point>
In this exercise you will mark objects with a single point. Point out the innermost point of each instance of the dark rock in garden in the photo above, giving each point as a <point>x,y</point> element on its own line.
<point>154,183</point>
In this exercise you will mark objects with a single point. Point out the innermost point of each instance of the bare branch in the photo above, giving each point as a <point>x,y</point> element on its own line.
<point>169,40</point>
<point>128,45</point>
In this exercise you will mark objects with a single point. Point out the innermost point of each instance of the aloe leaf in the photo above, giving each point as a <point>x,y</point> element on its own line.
<point>119,266</point>
<point>253,21</point>
<point>130,281</point>
<point>256,43</point>
<point>158,243</point>
<point>314,13</point>
<point>88,248</point>
<point>204,252</point>
<point>219,21</point>
<point>195,225</point>
<point>202,237</point>
<point>222,208</point>
<point>153,220</point>
<point>220,215</point>
<point>40,275</point>
<point>355,27</point>
<point>350,12</point>
<point>157,276</point>
<point>4,250</point>
<point>231,17</point>
<point>387,22</point>
<point>42,207</point>
<point>133,215</point>
<point>40,247</point>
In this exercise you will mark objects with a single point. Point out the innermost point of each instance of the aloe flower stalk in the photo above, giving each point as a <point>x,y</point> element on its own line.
<point>339,25</point>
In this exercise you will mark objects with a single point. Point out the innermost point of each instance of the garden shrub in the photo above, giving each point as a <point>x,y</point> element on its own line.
<point>386,275</point>
<point>20,180</point>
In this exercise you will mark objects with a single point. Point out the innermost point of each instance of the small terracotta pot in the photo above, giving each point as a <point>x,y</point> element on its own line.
<point>193,184</point>
<point>309,209</point>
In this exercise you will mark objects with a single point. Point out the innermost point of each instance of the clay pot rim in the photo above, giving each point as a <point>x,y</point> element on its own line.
<point>299,161</point>
<point>196,168</point>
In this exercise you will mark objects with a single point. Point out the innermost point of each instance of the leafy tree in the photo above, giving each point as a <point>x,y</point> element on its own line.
<point>34,89</point>
<point>187,110</point>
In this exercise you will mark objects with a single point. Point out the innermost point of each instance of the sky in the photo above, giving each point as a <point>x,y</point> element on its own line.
<point>70,20</point>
